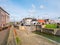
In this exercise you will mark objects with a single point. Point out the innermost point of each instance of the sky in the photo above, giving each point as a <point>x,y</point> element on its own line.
<point>19,9</point>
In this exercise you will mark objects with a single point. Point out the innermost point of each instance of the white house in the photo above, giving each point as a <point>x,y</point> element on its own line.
<point>29,21</point>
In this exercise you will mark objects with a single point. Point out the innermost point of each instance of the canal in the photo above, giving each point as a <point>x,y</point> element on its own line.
<point>49,36</point>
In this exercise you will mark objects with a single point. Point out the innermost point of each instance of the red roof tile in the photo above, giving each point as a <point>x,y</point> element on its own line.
<point>41,21</point>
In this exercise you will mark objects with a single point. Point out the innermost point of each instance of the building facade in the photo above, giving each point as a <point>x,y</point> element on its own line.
<point>4,17</point>
<point>29,21</point>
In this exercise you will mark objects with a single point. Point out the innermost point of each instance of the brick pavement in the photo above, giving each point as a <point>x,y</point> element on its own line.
<point>28,38</point>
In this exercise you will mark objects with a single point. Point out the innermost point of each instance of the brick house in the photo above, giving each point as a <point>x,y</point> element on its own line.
<point>4,17</point>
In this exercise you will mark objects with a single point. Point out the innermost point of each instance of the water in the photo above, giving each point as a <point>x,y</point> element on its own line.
<point>49,36</point>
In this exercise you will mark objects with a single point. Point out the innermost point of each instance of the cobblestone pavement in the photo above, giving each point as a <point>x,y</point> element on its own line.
<point>28,38</point>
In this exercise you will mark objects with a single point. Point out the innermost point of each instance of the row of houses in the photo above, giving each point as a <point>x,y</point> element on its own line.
<point>40,22</point>
<point>33,24</point>
<point>34,21</point>
<point>4,17</point>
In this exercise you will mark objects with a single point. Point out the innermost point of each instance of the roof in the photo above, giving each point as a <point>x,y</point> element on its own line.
<point>4,10</point>
<point>29,18</point>
<point>41,21</point>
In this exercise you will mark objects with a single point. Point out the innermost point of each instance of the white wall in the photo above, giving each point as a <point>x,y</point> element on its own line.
<point>28,22</point>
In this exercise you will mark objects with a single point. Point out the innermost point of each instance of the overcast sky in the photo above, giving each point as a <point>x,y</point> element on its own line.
<point>19,9</point>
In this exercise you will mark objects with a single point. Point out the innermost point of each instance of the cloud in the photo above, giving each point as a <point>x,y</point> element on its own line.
<point>32,10</point>
<point>42,6</point>
<point>4,0</point>
<point>16,12</point>
<point>33,6</point>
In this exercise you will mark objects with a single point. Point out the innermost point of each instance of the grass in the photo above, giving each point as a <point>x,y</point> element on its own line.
<point>18,40</point>
<point>54,26</point>
<point>49,36</point>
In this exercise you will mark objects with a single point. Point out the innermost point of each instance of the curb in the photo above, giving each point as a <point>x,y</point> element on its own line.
<point>11,38</point>
<point>17,39</point>
<point>49,40</point>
